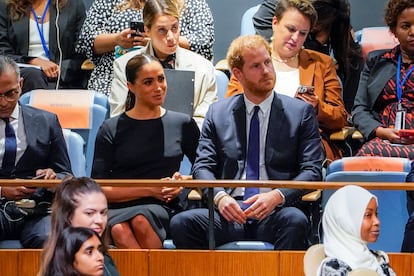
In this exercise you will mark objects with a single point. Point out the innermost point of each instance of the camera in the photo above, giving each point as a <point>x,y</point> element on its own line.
<point>138,27</point>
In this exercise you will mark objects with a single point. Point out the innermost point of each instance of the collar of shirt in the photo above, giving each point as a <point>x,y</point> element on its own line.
<point>264,105</point>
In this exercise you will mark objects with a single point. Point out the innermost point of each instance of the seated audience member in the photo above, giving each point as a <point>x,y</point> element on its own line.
<point>408,241</point>
<point>145,142</point>
<point>78,251</point>
<point>29,35</point>
<point>78,202</point>
<point>31,145</point>
<point>256,135</point>
<point>161,20</point>
<point>296,67</point>
<point>349,222</point>
<point>108,26</point>
<point>384,103</point>
<point>331,35</point>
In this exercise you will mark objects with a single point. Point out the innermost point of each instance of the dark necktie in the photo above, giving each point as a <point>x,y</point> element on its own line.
<point>10,147</point>
<point>253,154</point>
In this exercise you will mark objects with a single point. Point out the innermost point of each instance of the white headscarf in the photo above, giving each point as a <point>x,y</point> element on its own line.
<point>342,220</point>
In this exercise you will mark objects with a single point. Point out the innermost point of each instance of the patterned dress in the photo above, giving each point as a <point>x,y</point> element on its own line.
<point>386,106</point>
<point>335,267</point>
<point>104,16</point>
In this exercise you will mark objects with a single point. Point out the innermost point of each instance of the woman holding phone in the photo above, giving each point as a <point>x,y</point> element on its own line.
<point>305,74</point>
<point>108,25</point>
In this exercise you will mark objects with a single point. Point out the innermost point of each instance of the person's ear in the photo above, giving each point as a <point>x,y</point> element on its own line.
<point>274,23</point>
<point>237,73</point>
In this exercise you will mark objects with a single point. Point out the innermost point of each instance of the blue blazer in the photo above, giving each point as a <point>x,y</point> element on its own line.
<point>46,147</point>
<point>293,144</point>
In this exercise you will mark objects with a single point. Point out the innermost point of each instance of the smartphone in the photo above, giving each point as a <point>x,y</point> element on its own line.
<point>406,132</point>
<point>138,27</point>
<point>305,89</point>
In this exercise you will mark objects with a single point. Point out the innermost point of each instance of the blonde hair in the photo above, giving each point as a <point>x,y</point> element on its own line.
<point>240,44</point>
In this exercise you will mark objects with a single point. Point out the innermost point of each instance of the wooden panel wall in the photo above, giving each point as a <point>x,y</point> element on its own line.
<point>210,263</point>
<point>131,262</point>
<point>192,262</point>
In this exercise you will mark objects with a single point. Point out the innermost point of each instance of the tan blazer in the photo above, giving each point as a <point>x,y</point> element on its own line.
<point>205,91</point>
<point>318,70</point>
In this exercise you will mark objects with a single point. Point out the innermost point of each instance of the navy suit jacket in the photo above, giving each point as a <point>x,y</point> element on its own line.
<point>46,147</point>
<point>293,145</point>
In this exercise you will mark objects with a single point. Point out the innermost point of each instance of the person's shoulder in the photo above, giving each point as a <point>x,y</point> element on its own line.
<point>190,57</point>
<point>334,266</point>
<point>315,56</point>
<point>34,111</point>
<point>291,103</point>
<point>177,116</point>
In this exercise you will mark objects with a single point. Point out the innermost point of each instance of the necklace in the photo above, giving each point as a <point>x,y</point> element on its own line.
<point>285,60</point>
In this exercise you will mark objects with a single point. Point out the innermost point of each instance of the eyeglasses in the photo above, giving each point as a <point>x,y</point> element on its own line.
<point>10,95</point>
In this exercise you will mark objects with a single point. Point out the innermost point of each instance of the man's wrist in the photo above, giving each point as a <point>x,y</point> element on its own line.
<point>219,196</point>
<point>280,197</point>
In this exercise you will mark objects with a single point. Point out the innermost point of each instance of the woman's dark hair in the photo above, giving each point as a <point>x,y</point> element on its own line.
<point>63,207</point>
<point>132,70</point>
<point>303,6</point>
<point>69,241</point>
<point>393,10</point>
<point>20,8</point>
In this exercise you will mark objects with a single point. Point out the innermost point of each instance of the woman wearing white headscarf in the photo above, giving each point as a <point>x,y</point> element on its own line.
<point>349,222</point>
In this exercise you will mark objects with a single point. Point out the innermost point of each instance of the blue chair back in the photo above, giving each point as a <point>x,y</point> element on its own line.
<point>392,204</point>
<point>75,144</point>
<point>247,26</point>
<point>99,112</point>
<point>222,81</point>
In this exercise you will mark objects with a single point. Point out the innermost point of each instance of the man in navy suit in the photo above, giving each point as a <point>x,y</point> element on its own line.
<point>290,148</point>
<point>39,151</point>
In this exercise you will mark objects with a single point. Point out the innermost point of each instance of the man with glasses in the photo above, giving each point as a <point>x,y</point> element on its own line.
<point>31,146</point>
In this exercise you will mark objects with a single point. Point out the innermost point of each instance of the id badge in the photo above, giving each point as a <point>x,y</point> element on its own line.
<point>400,118</point>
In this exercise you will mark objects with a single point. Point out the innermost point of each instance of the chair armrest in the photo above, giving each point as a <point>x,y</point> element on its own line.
<point>357,135</point>
<point>312,196</point>
<point>87,65</point>
<point>342,134</point>
<point>195,194</point>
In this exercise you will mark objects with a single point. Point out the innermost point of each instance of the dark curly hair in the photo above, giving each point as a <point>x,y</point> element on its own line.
<point>393,9</point>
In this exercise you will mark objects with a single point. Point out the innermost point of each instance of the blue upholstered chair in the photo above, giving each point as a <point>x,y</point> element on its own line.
<point>75,144</point>
<point>392,209</point>
<point>222,81</point>
<point>247,26</point>
<point>98,113</point>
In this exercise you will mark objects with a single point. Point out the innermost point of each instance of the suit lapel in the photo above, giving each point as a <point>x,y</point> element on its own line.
<point>239,116</point>
<point>30,127</point>
<point>306,68</point>
<point>276,119</point>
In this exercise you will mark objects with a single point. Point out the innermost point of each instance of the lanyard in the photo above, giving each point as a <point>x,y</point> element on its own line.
<point>42,37</point>
<point>400,84</point>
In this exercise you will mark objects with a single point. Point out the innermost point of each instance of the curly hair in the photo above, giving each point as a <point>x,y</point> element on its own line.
<point>20,8</point>
<point>393,9</point>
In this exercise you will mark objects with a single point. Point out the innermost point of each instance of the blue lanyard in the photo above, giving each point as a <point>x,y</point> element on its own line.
<point>400,84</point>
<point>42,37</point>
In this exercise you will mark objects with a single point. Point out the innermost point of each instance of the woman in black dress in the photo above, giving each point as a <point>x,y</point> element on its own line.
<point>145,142</point>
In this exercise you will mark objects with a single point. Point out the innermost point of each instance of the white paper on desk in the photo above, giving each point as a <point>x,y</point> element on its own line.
<point>23,65</point>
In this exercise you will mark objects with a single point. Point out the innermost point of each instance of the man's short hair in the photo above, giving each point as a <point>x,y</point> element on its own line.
<point>240,44</point>
<point>7,63</point>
